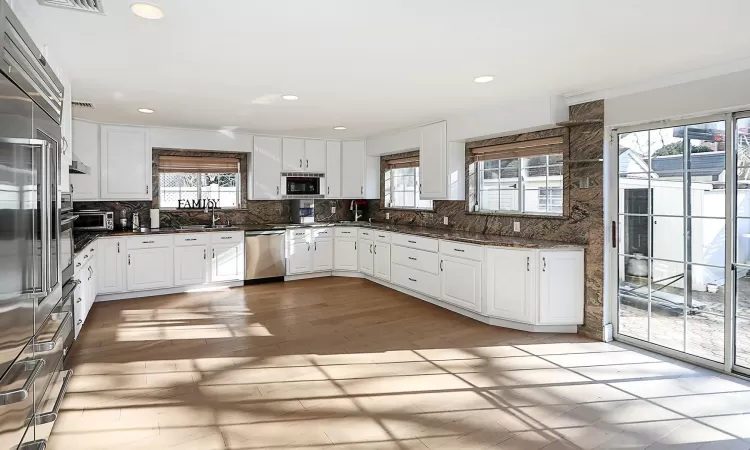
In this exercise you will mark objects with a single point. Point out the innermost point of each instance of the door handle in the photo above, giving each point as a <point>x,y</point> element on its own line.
<point>118,247</point>
<point>376,249</point>
<point>544,262</point>
<point>528,264</point>
<point>370,248</point>
<point>441,265</point>
<point>307,163</point>
<point>300,163</point>
<point>50,344</point>
<point>21,394</point>
<point>128,258</point>
<point>614,234</point>
<point>204,253</point>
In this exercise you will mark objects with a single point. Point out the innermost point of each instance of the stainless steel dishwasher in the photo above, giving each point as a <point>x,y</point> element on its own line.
<point>264,255</point>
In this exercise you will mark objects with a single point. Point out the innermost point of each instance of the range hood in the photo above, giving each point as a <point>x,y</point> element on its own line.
<point>78,167</point>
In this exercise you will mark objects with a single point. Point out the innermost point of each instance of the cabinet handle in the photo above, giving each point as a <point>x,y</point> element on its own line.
<point>80,321</point>
<point>307,163</point>
<point>300,163</point>
<point>316,246</point>
<point>362,190</point>
<point>528,264</point>
<point>78,264</point>
<point>118,247</point>
<point>147,242</point>
<point>376,249</point>
<point>277,190</point>
<point>79,300</point>
<point>412,279</point>
<point>413,259</point>
<point>85,256</point>
<point>213,253</point>
<point>91,249</point>
<point>329,190</point>
<point>308,246</point>
<point>204,253</point>
<point>226,237</point>
<point>370,248</point>
<point>544,267</point>
<point>191,239</point>
<point>420,188</point>
<point>441,265</point>
<point>355,245</point>
<point>128,258</point>
<point>146,189</point>
<point>458,250</point>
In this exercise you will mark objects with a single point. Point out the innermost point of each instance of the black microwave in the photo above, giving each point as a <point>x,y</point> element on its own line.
<point>307,185</point>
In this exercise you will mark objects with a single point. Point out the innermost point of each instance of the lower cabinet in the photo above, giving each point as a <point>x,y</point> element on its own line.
<point>323,255</point>
<point>190,265</point>
<point>91,285</point>
<point>461,282</point>
<point>382,261</point>
<point>150,268</point>
<point>111,265</point>
<point>228,261</point>
<point>365,256</point>
<point>510,284</point>
<point>345,254</point>
<point>416,280</point>
<point>300,258</point>
<point>561,282</point>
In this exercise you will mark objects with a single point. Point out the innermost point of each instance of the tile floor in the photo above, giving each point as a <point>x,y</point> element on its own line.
<point>338,363</point>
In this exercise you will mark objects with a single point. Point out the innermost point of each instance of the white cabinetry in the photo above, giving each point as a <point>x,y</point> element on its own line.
<point>353,169</point>
<point>150,268</point>
<point>111,265</point>
<point>461,282</point>
<point>382,261</point>
<point>510,284</point>
<point>333,169</point>
<point>345,254</point>
<point>227,256</point>
<point>125,163</point>
<point>300,259</point>
<point>304,155</point>
<point>85,147</point>
<point>266,168</point>
<point>190,265</point>
<point>441,164</point>
<point>323,255</point>
<point>366,256</point>
<point>561,283</point>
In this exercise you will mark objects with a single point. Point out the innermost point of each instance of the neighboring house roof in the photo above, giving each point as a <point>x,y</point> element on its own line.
<point>708,163</point>
<point>631,163</point>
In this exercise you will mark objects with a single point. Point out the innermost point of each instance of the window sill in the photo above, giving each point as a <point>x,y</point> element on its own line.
<point>431,210</point>
<point>518,215</point>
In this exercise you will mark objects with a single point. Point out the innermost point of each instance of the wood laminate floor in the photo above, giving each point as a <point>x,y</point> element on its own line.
<point>340,363</point>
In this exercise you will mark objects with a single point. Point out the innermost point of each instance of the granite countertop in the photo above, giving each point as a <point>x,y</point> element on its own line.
<point>83,238</point>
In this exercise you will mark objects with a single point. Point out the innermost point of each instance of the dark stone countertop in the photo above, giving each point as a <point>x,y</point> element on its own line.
<point>83,238</point>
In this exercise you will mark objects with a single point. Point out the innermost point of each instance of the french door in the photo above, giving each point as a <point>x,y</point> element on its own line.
<point>680,263</point>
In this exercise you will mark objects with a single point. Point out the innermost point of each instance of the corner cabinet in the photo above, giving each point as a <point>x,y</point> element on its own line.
<point>125,163</point>
<point>266,168</point>
<point>441,164</point>
<point>111,265</point>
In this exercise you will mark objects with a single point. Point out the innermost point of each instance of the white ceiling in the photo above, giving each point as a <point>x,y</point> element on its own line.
<point>370,65</point>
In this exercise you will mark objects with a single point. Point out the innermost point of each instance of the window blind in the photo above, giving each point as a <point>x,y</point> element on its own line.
<point>399,163</point>
<point>524,149</point>
<point>198,164</point>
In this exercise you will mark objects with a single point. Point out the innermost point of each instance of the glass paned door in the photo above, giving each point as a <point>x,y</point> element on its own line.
<point>671,243</point>
<point>742,249</point>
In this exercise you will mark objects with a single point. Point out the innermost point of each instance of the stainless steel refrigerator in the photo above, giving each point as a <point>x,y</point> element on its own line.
<point>30,273</point>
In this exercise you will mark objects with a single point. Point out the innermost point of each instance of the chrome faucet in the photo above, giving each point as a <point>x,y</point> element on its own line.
<point>214,217</point>
<point>353,206</point>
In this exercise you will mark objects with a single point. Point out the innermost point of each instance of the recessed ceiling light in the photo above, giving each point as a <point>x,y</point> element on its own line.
<point>289,97</point>
<point>339,128</point>
<point>146,110</point>
<point>484,79</point>
<point>147,11</point>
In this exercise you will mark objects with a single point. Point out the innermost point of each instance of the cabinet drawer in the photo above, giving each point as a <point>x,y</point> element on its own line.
<point>459,250</point>
<point>149,242</point>
<point>382,236</point>
<point>366,234</point>
<point>182,240</point>
<point>345,232</point>
<point>417,259</point>
<point>425,283</point>
<point>418,242</point>
<point>84,256</point>
<point>322,233</point>
<point>227,238</point>
<point>298,234</point>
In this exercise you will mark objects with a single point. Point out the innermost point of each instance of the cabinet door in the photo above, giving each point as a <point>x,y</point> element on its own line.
<point>323,255</point>
<point>433,158</point>
<point>228,262</point>
<point>333,169</point>
<point>83,290</point>
<point>125,163</point>
<point>315,155</point>
<point>86,144</point>
<point>190,265</point>
<point>382,261</point>
<point>561,287</point>
<point>461,282</point>
<point>300,258</point>
<point>92,285</point>
<point>366,257</point>
<point>294,155</point>
<point>150,268</point>
<point>353,169</point>
<point>345,254</point>
<point>510,284</point>
<point>266,168</point>
<point>111,265</point>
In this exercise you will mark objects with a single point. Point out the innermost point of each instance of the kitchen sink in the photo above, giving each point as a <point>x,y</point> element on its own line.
<point>206,227</point>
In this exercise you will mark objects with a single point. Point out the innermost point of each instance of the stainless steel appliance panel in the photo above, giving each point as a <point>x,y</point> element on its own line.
<point>264,254</point>
<point>17,398</point>
<point>67,245</point>
<point>51,343</point>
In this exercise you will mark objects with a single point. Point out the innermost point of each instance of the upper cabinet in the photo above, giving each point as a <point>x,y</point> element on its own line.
<point>442,169</point>
<point>333,169</point>
<point>266,168</point>
<point>304,155</point>
<point>125,163</point>
<point>85,147</point>
<point>353,169</point>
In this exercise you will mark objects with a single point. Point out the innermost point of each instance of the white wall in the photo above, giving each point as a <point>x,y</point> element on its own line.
<point>220,140</point>
<point>695,98</point>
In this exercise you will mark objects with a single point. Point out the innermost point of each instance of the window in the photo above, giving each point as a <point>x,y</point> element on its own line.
<point>196,178</point>
<point>524,177</point>
<point>402,185</point>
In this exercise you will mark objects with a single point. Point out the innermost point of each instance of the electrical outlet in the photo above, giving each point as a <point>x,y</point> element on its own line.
<point>333,210</point>
<point>445,220</point>
<point>517,227</point>
<point>387,216</point>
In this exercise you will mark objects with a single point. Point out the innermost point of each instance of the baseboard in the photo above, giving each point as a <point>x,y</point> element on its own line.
<point>307,276</point>
<point>172,290</point>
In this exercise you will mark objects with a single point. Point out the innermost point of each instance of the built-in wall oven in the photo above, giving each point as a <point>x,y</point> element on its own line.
<point>302,185</point>
<point>67,242</point>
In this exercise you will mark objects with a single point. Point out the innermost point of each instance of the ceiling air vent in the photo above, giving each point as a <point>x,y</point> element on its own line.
<point>82,104</point>
<point>94,6</point>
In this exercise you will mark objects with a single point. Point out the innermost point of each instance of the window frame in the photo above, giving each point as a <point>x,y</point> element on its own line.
<point>522,179</point>
<point>389,191</point>
<point>238,184</point>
